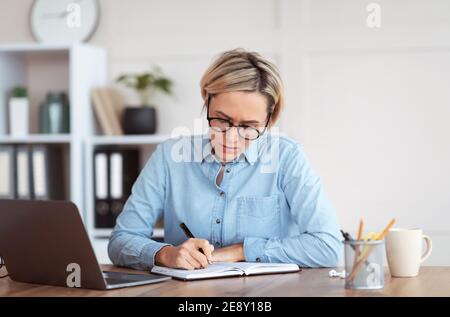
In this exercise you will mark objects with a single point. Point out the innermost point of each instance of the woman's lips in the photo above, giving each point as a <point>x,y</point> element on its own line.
<point>229,149</point>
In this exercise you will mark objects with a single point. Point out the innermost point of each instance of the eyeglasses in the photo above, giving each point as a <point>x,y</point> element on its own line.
<point>244,131</point>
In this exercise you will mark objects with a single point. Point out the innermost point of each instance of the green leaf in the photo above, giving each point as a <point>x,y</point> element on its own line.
<point>164,84</point>
<point>122,78</point>
<point>146,82</point>
<point>19,92</point>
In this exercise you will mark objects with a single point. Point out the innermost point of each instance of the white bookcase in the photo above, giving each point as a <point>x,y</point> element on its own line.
<point>76,70</point>
<point>42,68</point>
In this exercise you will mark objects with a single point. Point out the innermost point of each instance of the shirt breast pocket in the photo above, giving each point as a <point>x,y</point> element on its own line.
<point>258,216</point>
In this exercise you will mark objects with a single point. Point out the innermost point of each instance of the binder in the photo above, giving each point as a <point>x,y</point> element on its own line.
<point>22,172</point>
<point>101,195</point>
<point>47,172</point>
<point>124,170</point>
<point>115,171</point>
<point>7,172</point>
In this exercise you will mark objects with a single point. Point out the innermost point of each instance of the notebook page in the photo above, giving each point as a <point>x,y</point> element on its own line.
<point>259,268</point>
<point>213,270</point>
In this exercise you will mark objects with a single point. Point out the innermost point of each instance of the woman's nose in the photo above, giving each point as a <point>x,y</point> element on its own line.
<point>231,137</point>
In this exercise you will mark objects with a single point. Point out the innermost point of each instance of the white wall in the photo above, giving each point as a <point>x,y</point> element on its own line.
<point>370,105</point>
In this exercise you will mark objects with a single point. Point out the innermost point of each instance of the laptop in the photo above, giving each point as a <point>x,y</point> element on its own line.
<point>45,242</point>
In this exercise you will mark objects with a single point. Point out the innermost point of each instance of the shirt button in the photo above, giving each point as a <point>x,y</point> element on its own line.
<point>222,194</point>
<point>228,170</point>
<point>217,220</point>
<point>258,260</point>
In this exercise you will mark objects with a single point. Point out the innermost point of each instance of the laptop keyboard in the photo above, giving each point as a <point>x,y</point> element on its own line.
<point>115,281</point>
<point>114,278</point>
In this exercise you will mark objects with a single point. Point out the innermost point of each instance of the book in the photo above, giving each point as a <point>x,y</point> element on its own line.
<point>225,269</point>
<point>101,113</point>
<point>117,104</point>
<point>111,104</point>
<point>108,108</point>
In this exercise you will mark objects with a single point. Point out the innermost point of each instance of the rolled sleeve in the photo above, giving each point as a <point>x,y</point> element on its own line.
<point>254,250</point>
<point>149,251</point>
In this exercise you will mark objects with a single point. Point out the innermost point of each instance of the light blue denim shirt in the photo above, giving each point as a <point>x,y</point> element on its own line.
<point>270,199</point>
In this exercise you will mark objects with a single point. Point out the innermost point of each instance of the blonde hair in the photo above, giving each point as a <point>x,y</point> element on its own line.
<point>241,70</point>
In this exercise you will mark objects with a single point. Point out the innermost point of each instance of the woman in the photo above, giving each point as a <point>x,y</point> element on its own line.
<point>246,194</point>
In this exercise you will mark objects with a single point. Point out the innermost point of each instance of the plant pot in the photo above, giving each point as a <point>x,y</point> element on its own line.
<point>139,120</point>
<point>18,116</point>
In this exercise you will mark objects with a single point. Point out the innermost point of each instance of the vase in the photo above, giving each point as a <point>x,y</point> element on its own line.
<point>54,114</point>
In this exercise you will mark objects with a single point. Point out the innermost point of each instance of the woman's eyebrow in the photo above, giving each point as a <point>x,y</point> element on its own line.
<point>229,118</point>
<point>251,122</point>
<point>223,114</point>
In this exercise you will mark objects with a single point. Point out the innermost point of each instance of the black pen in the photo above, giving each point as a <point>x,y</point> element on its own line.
<point>347,236</point>
<point>189,234</point>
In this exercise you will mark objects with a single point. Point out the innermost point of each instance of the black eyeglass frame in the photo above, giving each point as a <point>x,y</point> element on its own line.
<point>231,125</point>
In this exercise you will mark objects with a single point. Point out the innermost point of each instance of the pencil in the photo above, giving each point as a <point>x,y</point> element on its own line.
<point>360,229</point>
<point>386,230</point>
<point>358,265</point>
<point>367,252</point>
<point>358,238</point>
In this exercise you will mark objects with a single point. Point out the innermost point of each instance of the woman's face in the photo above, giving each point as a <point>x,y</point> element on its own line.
<point>241,108</point>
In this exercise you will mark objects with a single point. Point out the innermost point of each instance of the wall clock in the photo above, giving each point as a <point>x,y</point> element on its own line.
<point>64,21</point>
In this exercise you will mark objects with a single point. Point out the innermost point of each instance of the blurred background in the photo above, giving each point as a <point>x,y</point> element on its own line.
<point>367,94</point>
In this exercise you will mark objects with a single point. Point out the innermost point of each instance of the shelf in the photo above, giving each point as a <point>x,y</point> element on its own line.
<point>37,138</point>
<point>129,139</point>
<point>36,47</point>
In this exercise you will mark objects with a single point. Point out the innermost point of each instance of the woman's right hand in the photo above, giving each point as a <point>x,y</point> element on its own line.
<point>186,255</point>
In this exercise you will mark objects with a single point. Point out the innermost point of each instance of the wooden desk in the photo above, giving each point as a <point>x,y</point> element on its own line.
<point>432,281</point>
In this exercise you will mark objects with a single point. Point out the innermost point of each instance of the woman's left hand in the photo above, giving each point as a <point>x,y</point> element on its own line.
<point>232,253</point>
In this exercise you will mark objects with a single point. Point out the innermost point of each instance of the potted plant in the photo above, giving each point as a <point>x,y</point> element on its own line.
<point>142,119</point>
<point>18,112</point>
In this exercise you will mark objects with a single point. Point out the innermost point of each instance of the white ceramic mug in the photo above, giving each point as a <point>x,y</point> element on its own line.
<point>404,251</point>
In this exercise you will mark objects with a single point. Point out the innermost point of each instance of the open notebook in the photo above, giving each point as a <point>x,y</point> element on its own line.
<point>222,269</point>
